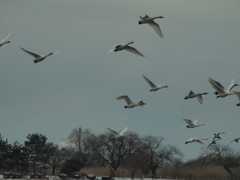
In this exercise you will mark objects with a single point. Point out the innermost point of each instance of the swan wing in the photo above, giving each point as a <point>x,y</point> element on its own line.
<point>149,82</point>
<point>198,141</point>
<point>133,50</point>
<point>190,93</point>
<point>111,50</point>
<point>121,133</point>
<point>195,122</point>
<point>231,141</point>
<point>201,138</point>
<point>156,27</point>
<point>200,99</point>
<point>162,83</point>
<point>188,121</point>
<point>126,98</point>
<point>5,38</point>
<point>217,83</point>
<point>143,16</point>
<point>230,85</point>
<point>112,131</point>
<point>190,140</point>
<point>215,86</point>
<point>31,53</point>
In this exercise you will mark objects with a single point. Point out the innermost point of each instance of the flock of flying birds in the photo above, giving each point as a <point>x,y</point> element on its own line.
<point>221,91</point>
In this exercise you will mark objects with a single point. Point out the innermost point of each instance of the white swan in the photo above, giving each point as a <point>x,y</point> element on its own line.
<point>236,140</point>
<point>129,102</point>
<point>126,47</point>
<point>38,57</point>
<point>217,135</point>
<point>230,85</point>
<point>2,41</point>
<point>191,94</point>
<point>150,21</point>
<point>192,124</point>
<point>223,92</point>
<point>154,87</point>
<point>118,135</point>
<point>194,139</point>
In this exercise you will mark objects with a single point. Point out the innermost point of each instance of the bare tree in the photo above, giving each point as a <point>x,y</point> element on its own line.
<point>111,152</point>
<point>132,162</point>
<point>155,154</point>
<point>76,141</point>
<point>59,156</point>
<point>224,156</point>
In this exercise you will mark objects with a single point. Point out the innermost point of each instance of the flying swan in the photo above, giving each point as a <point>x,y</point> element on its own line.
<point>217,135</point>
<point>118,135</point>
<point>191,94</point>
<point>194,139</point>
<point>150,21</point>
<point>130,104</point>
<point>231,84</point>
<point>154,87</point>
<point>192,124</point>
<point>236,140</point>
<point>120,47</point>
<point>38,57</point>
<point>223,92</point>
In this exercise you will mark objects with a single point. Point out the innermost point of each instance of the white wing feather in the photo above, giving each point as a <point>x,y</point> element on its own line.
<point>5,38</point>
<point>133,50</point>
<point>111,50</point>
<point>114,132</point>
<point>149,82</point>
<point>123,130</point>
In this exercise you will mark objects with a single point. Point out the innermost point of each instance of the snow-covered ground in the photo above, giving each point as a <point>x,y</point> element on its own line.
<point>97,178</point>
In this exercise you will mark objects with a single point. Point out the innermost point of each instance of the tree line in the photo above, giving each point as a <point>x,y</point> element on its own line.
<point>134,153</point>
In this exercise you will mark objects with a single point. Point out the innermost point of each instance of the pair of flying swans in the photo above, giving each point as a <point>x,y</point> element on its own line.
<point>191,94</point>
<point>192,124</point>
<point>118,135</point>
<point>130,104</point>
<point>154,87</point>
<point>2,42</point>
<point>194,139</point>
<point>38,57</point>
<point>220,90</point>
<point>230,85</point>
<point>145,19</point>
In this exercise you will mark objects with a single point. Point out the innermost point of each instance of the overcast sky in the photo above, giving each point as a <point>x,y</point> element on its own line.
<point>78,86</point>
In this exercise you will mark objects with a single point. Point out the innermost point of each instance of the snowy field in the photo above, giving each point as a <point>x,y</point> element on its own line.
<point>97,178</point>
